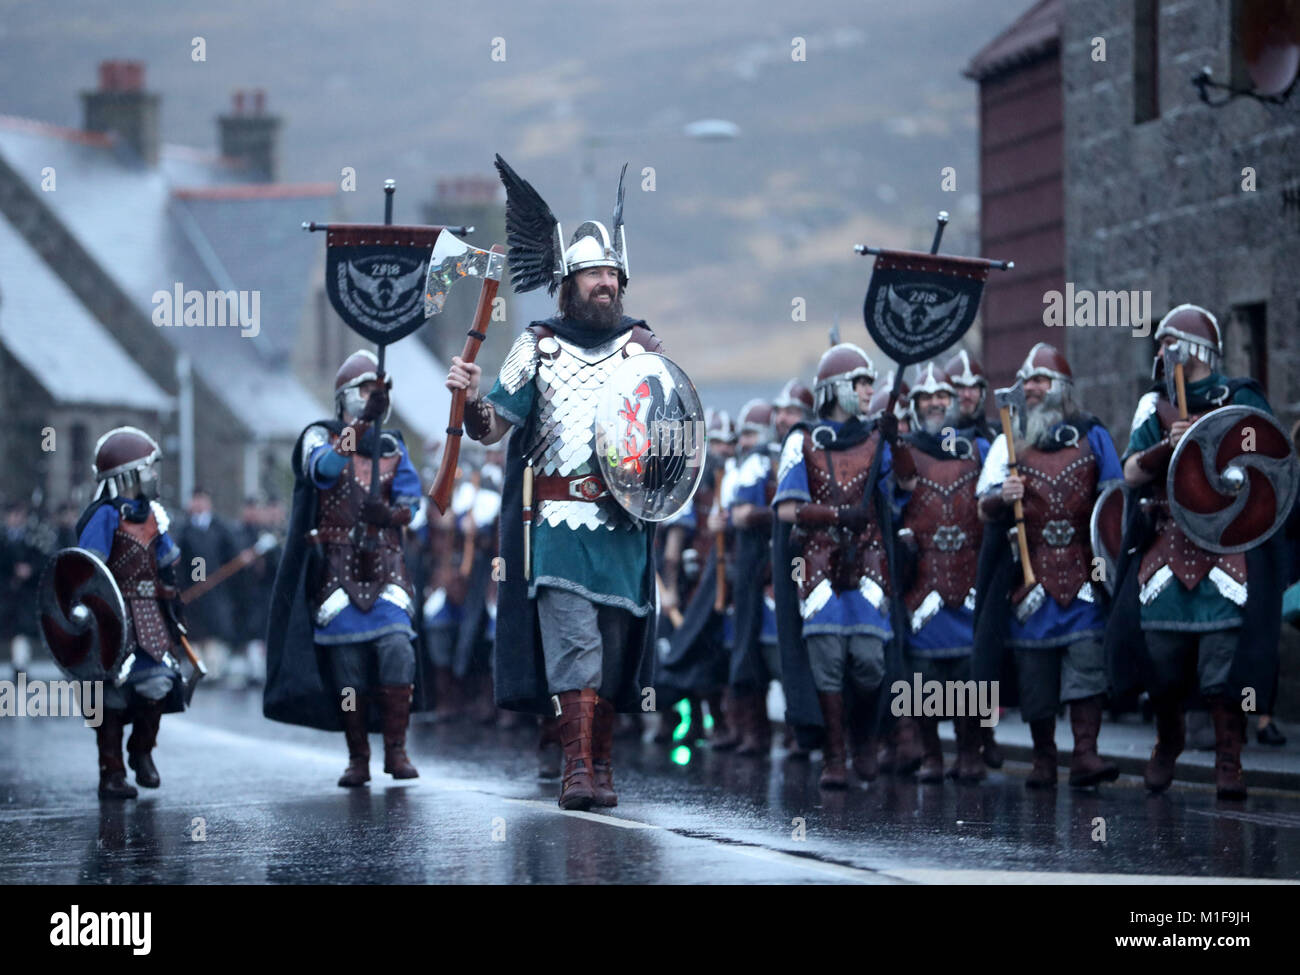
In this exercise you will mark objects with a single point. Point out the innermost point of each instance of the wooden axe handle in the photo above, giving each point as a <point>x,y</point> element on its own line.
<point>1180,385</point>
<point>440,493</point>
<point>1027,570</point>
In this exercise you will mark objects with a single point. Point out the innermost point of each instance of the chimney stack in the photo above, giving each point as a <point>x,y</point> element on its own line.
<point>252,136</point>
<point>121,105</point>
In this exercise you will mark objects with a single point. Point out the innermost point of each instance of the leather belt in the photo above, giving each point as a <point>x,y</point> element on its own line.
<point>557,487</point>
<point>332,534</point>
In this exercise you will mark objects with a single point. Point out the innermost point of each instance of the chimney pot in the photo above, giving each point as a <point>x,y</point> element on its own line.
<point>122,105</point>
<point>259,101</point>
<point>239,102</point>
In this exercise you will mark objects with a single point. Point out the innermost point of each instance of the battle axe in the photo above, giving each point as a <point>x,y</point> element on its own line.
<point>1009,399</point>
<point>452,261</point>
<point>1175,359</point>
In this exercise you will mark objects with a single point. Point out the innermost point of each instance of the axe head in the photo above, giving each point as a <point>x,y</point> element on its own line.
<point>1013,398</point>
<point>454,260</point>
<point>1171,357</point>
<point>192,681</point>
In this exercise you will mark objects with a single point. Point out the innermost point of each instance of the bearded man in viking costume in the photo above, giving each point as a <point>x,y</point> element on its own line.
<point>1054,627</point>
<point>575,618</point>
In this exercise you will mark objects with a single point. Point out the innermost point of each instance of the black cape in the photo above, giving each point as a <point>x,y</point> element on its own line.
<point>997,577</point>
<point>299,689</point>
<point>753,555</point>
<point>1255,662</point>
<point>803,709</point>
<point>519,671</point>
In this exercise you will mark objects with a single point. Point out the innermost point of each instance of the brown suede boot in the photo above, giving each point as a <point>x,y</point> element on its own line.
<point>1043,774</point>
<point>397,715</point>
<point>834,774</point>
<point>1229,736</point>
<point>907,746</point>
<point>993,757</point>
<point>969,766</point>
<point>931,752</point>
<point>1171,738</point>
<point>549,749</point>
<point>140,746</point>
<point>576,719</point>
<point>112,773</point>
<point>727,721</point>
<point>1087,768</point>
<point>354,733</point>
<point>602,754</point>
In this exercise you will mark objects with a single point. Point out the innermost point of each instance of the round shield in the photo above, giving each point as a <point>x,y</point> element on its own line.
<point>651,439</point>
<point>1107,529</point>
<point>1232,479</point>
<point>82,615</point>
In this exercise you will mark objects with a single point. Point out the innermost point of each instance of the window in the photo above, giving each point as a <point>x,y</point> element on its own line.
<point>1146,60</point>
<point>1247,342</point>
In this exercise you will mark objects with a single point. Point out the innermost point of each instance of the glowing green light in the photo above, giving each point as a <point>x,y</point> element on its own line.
<point>683,707</point>
<point>708,722</point>
<point>681,755</point>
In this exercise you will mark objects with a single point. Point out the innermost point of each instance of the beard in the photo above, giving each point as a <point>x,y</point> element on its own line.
<point>1040,419</point>
<point>933,421</point>
<point>591,312</point>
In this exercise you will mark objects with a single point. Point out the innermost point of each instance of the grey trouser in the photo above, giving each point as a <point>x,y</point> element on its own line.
<point>1176,655</point>
<point>1050,676</point>
<point>390,658</point>
<point>441,641</point>
<point>828,653</point>
<point>942,669</point>
<point>583,643</point>
<point>771,653</point>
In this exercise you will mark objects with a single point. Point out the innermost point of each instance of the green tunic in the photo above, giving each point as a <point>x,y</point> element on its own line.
<point>605,565</point>
<point>1203,608</point>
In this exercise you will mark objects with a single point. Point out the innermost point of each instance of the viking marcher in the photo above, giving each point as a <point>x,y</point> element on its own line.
<point>575,621</point>
<point>754,654</point>
<point>127,528</point>
<point>692,666</point>
<point>940,539</point>
<point>1212,614</point>
<point>205,536</point>
<point>970,393</point>
<point>1054,626</point>
<point>339,646</point>
<point>841,483</point>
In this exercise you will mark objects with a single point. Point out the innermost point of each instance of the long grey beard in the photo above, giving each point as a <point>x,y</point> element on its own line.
<point>590,313</point>
<point>934,425</point>
<point>1039,421</point>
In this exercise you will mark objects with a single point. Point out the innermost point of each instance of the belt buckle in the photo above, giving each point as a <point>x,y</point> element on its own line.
<point>144,588</point>
<point>586,488</point>
<point>1058,533</point>
<point>949,538</point>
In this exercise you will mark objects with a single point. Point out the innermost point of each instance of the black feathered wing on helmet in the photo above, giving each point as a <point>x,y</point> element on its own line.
<point>534,248</point>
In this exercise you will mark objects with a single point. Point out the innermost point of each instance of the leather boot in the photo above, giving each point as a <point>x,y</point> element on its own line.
<point>602,754</point>
<point>139,747</point>
<point>727,721</point>
<point>969,766</point>
<point>549,749</point>
<point>834,774</point>
<point>756,732</point>
<point>576,719</point>
<point>397,714</point>
<point>1087,768</point>
<point>112,773</point>
<point>446,694</point>
<point>865,743</point>
<point>1171,739</point>
<point>932,752</point>
<point>993,756</point>
<point>794,750</point>
<point>907,746</point>
<point>1043,774</point>
<point>1229,736</point>
<point>354,733</point>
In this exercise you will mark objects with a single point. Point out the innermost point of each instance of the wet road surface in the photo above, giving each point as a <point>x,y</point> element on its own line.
<point>245,800</point>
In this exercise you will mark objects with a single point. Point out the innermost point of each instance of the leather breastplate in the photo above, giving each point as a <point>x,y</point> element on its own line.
<point>132,562</point>
<point>842,558</point>
<point>1175,556</point>
<point>362,574</point>
<point>943,514</point>
<point>1060,489</point>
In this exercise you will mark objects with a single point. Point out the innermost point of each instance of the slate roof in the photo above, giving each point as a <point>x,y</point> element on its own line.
<point>1035,32</point>
<point>56,338</point>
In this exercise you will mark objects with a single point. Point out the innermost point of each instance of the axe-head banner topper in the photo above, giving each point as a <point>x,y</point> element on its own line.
<point>454,260</point>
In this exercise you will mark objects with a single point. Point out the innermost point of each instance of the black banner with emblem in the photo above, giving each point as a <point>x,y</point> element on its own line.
<point>374,276</point>
<point>920,304</point>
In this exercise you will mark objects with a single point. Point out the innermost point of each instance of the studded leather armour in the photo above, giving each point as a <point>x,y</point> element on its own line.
<point>132,562</point>
<point>836,559</point>
<point>562,438</point>
<point>1175,556</point>
<point>1060,489</point>
<point>943,514</point>
<point>363,575</point>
